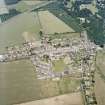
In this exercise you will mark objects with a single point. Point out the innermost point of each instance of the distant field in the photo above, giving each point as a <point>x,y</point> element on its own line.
<point>11,31</point>
<point>101,63</point>
<point>66,99</point>
<point>18,84</point>
<point>100,78</point>
<point>51,24</point>
<point>100,89</point>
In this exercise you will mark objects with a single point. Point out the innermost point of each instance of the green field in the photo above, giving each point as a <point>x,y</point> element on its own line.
<point>18,84</point>
<point>100,78</point>
<point>22,6</point>
<point>11,31</point>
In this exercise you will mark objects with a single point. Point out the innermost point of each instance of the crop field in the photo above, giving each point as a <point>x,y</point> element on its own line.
<point>100,78</point>
<point>66,99</point>
<point>11,32</point>
<point>100,89</point>
<point>101,63</point>
<point>24,5</point>
<point>18,84</point>
<point>51,24</point>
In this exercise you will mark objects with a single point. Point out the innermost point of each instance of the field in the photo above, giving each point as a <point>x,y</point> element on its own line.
<point>100,78</point>
<point>18,84</point>
<point>101,63</point>
<point>51,24</point>
<point>67,99</point>
<point>24,5</point>
<point>100,89</point>
<point>11,31</point>
<point>55,9</point>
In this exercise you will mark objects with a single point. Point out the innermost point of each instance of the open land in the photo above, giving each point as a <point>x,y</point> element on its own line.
<point>66,99</point>
<point>54,24</point>
<point>100,89</point>
<point>11,31</point>
<point>19,84</point>
<point>100,78</point>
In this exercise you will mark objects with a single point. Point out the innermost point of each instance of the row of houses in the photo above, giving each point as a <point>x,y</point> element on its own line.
<point>87,84</point>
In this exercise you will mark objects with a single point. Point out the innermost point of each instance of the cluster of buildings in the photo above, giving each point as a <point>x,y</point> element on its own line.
<point>87,85</point>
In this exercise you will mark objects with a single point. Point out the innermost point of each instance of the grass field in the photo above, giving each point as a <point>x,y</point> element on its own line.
<point>100,78</point>
<point>51,24</point>
<point>100,89</point>
<point>101,63</point>
<point>22,6</point>
<point>18,84</point>
<point>11,31</point>
<point>66,99</point>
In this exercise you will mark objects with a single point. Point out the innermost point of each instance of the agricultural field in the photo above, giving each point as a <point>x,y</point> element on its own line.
<point>25,5</point>
<point>101,63</point>
<point>100,89</point>
<point>51,24</point>
<point>19,84</point>
<point>11,31</point>
<point>100,78</point>
<point>55,9</point>
<point>66,99</point>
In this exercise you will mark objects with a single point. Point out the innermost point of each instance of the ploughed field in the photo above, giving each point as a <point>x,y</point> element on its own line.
<point>100,78</point>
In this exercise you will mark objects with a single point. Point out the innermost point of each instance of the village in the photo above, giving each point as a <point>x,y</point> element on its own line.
<point>56,47</point>
<point>80,55</point>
